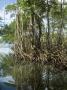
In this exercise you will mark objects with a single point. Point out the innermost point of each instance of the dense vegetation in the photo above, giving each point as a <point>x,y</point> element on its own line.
<point>38,35</point>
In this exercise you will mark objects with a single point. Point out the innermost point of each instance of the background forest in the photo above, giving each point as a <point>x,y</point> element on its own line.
<point>38,38</point>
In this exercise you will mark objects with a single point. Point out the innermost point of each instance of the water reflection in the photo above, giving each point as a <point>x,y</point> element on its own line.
<point>6,79</point>
<point>7,83</point>
<point>5,48</point>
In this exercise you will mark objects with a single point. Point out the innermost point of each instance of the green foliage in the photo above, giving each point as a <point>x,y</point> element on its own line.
<point>7,64</point>
<point>8,32</point>
<point>11,7</point>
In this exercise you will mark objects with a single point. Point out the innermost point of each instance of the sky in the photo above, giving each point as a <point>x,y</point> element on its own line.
<point>6,17</point>
<point>4,48</point>
<point>6,2</point>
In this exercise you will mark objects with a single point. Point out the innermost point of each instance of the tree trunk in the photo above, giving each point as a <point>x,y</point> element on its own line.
<point>48,46</point>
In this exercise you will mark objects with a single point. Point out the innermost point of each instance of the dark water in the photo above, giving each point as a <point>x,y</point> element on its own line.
<point>4,86</point>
